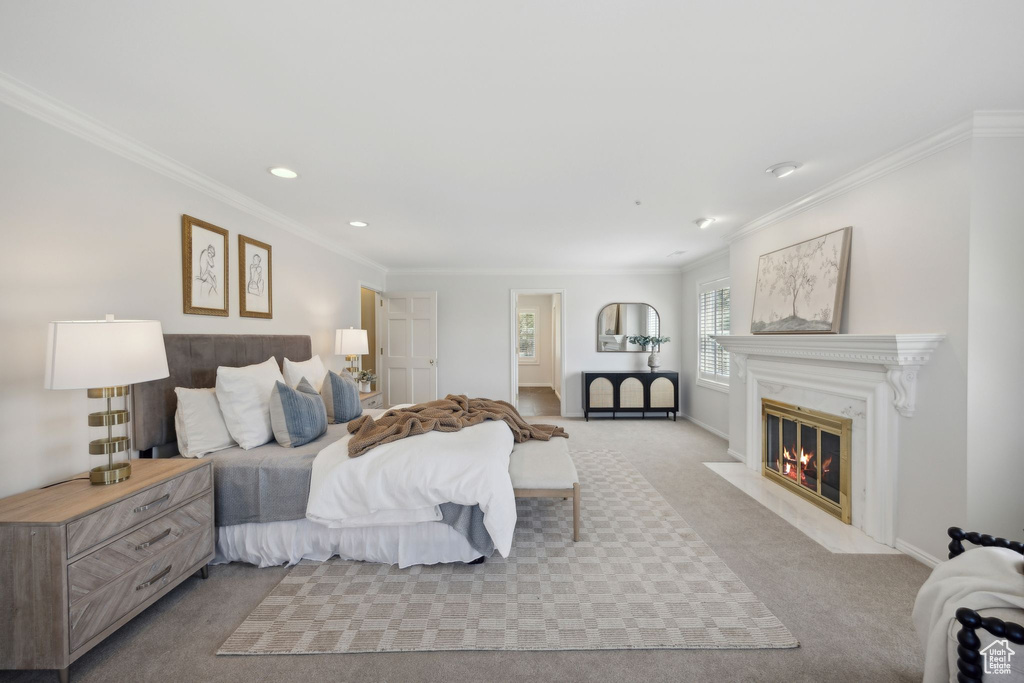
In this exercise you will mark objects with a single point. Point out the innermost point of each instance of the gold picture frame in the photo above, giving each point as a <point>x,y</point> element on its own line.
<point>255,278</point>
<point>204,276</point>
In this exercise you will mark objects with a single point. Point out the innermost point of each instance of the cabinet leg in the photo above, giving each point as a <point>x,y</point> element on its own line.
<point>205,571</point>
<point>64,675</point>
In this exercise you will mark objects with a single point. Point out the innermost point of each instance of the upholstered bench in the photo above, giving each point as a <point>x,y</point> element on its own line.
<point>544,469</point>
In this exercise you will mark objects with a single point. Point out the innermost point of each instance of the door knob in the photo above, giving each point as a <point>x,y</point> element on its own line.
<point>431,361</point>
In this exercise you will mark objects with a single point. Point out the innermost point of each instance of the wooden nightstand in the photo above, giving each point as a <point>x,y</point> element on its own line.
<point>79,561</point>
<point>371,399</point>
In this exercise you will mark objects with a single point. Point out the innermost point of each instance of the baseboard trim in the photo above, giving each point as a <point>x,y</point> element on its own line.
<point>706,427</point>
<point>534,385</point>
<point>738,456</point>
<point>557,394</point>
<point>921,556</point>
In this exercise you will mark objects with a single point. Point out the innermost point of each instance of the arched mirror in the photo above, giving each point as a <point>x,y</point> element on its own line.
<point>619,321</point>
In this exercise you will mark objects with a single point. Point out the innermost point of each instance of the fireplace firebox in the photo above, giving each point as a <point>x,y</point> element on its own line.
<point>808,452</point>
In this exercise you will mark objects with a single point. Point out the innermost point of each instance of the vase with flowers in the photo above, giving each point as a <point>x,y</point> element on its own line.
<point>652,343</point>
<point>366,379</point>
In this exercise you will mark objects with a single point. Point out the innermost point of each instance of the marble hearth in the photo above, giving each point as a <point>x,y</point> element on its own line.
<point>870,379</point>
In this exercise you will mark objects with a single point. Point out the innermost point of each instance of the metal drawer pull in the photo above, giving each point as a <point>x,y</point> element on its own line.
<point>158,537</point>
<point>161,499</point>
<point>156,578</point>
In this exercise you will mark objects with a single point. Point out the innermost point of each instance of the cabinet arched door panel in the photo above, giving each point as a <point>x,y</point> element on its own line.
<point>602,395</point>
<point>631,393</point>
<point>663,393</point>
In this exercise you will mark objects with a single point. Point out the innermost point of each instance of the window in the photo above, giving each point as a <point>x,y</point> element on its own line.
<point>528,336</point>
<point>713,319</point>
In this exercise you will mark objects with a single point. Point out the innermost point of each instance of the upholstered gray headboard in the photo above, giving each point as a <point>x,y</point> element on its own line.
<point>193,360</point>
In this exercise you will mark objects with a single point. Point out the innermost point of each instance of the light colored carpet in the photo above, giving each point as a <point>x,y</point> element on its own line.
<point>639,578</point>
<point>851,613</point>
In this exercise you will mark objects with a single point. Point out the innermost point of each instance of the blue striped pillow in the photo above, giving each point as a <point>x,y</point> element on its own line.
<point>341,396</point>
<point>297,415</point>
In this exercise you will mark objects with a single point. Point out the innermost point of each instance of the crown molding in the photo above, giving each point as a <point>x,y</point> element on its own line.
<point>999,124</point>
<point>906,155</point>
<point>533,271</point>
<point>41,106</point>
<point>704,260</point>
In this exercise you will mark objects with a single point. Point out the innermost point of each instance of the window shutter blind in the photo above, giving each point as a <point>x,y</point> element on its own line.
<point>713,306</point>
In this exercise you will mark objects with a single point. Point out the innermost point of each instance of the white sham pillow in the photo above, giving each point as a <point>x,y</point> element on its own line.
<point>313,370</point>
<point>244,398</point>
<point>199,424</point>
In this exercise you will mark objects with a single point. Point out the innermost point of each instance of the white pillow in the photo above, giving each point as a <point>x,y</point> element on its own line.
<point>244,397</point>
<point>313,370</point>
<point>199,423</point>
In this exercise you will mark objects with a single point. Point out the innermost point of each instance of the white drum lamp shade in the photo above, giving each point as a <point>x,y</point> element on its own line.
<point>105,357</point>
<point>351,342</point>
<point>88,354</point>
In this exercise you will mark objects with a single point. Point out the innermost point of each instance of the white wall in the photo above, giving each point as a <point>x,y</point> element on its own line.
<point>541,372</point>
<point>908,273</point>
<point>474,319</point>
<point>995,384</point>
<point>707,407</point>
<point>88,233</point>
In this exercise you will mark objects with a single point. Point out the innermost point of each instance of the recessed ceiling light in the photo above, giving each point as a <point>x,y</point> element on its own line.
<point>282,172</point>
<point>703,223</point>
<point>784,169</point>
<point>358,224</point>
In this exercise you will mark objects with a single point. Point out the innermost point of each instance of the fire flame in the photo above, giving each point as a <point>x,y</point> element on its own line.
<point>806,460</point>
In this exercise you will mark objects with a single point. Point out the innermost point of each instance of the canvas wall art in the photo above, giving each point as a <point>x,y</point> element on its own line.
<point>800,288</point>
<point>255,278</point>
<point>204,256</point>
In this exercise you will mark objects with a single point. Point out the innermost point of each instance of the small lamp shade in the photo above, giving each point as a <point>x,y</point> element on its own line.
<point>351,342</point>
<point>90,354</point>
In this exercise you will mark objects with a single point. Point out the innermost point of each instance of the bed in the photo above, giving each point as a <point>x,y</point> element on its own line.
<point>261,494</point>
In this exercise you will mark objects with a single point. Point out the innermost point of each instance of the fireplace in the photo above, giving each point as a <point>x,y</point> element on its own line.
<point>808,452</point>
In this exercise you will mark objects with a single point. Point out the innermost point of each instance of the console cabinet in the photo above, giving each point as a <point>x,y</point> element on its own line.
<point>630,392</point>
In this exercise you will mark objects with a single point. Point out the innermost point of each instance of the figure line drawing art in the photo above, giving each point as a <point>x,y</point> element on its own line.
<point>207,278</point>
<point>256,284</point>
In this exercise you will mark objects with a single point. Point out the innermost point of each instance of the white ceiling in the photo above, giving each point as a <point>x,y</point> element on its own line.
<point>481,135</point>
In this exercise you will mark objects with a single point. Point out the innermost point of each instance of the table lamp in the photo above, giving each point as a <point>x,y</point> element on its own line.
<point>105,357</point>
<point>351,343</point>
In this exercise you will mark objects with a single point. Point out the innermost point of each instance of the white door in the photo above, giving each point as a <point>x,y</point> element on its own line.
<point>409,347</point>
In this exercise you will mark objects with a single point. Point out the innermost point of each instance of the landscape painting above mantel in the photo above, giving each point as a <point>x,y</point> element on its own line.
<point>800,288</point>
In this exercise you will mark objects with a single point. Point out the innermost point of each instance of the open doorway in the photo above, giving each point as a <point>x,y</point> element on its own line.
<point>538,351</point>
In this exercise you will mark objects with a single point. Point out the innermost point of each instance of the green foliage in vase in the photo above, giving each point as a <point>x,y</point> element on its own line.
<point>646,341</point>
<point>367,376</point>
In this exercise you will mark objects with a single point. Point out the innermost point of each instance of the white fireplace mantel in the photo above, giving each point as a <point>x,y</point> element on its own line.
<point>869,378</point>
<point>902,355</point>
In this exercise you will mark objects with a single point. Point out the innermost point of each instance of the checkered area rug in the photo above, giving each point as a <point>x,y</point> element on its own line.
<point>639,578</point>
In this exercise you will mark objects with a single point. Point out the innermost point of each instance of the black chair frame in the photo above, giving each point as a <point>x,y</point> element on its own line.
<point>968,663</point>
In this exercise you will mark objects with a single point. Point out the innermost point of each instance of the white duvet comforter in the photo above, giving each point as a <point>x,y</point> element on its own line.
<point>403,482</point>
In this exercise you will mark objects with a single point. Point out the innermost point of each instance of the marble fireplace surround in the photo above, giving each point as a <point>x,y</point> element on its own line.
<point>871,379</point>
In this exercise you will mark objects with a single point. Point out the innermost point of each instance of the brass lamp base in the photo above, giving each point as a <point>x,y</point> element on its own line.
<point>110,474</point>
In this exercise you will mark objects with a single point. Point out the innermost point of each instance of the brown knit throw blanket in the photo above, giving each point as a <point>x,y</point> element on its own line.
<point>449,414</point>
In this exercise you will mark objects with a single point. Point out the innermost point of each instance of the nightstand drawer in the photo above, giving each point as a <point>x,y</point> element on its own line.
<point>375,401</point>
<point>107,563</point>
<point>100,609</point>
<point>97,527</point>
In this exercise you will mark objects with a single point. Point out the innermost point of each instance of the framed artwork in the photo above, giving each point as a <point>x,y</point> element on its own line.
<point>800,288</point>
<point>204,267</point>
<point>255,278</point>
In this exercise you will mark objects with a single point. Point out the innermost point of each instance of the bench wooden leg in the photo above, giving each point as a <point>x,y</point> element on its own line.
<point>575,512</point>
